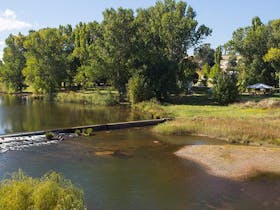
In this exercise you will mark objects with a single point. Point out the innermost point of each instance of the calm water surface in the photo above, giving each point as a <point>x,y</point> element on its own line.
<point>18,115</point>
<point>145,175</point>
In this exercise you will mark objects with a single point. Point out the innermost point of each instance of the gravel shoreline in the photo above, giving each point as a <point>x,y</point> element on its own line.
<point>233,161</point>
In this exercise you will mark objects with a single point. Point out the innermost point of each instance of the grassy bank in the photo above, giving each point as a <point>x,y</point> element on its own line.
<point>103,98</point>
<point>256,123</point>
<point>234,130</point>
<point>152,109</point>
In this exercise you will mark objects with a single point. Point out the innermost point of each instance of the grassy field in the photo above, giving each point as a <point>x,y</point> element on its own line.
<point>254,120</point>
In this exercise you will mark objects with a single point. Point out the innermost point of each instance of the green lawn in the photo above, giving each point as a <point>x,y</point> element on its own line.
<point>231,111</point>
<point>255,122</point>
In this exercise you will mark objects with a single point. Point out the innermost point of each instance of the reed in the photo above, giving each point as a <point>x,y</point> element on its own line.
<point>235,130</point>
<point>107,98</point>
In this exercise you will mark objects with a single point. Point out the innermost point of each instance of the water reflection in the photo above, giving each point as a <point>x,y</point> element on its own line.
<point>18,114</point>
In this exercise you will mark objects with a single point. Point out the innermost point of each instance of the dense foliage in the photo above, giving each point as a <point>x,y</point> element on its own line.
<point>150,43</point>
<point>137,90</point>
<point>51,191</point>
<point>140,54</point>
<point>252,43</point>
<point>225,88</point>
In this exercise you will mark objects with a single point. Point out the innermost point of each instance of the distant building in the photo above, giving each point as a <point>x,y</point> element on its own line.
<point>225,60</point>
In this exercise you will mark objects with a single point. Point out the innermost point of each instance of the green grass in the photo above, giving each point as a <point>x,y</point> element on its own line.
<point>51,191</point>
<point>253,121</point>
<point>245,131</point>
<point>232,111</point>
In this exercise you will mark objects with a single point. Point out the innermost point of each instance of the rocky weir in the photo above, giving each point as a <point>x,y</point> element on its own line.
<point>19,141</point>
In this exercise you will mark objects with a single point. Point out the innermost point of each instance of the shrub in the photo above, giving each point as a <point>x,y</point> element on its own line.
<point>89,131</point>
<point>49,135</point>
<point>151,108</point>
<point>78,132</point>
<point>225,88</point>
<point>137,90</point>
<point>52,191</point>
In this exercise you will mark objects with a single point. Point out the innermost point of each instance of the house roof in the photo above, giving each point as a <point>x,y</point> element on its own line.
<point>259,86</point>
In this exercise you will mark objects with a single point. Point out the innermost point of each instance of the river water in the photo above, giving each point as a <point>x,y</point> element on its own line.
<point>143,174</point>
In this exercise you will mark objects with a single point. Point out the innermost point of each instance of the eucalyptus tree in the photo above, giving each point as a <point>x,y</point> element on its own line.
<point>14,62</point>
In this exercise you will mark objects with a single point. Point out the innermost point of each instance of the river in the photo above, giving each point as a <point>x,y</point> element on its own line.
<point>144,175</point>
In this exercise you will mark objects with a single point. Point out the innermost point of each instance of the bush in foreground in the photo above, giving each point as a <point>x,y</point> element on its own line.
<point>52,191</point>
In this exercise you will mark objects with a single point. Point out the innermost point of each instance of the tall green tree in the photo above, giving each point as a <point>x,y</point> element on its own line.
<point>88,53</point>
<point>204,54</point>
<point>165,32</point>
<point>45,60</point>
<point>14,62</point>
<point>216,68</point>
<point>116,49</point>
<point>72,62</point>
<point>218,55</point>
<point>273,56</point>
<point>252,43</point>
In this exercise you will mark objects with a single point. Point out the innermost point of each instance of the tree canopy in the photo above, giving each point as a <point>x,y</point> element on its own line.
<point>151,43</point>
<point>252,43</point>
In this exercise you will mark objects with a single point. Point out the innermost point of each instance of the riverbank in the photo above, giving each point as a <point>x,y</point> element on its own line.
<point>232,161</point>
<point>96,97</point>
<point>244,123</point>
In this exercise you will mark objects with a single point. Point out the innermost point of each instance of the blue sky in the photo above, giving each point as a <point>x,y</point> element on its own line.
<point>223,16</point>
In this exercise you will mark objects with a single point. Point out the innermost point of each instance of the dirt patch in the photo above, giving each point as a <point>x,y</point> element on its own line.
<point>233,161</point>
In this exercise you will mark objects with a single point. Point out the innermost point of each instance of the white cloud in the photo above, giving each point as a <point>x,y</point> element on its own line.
<point>9,14</point>
<point>10,22</point>
<point>2,44</point>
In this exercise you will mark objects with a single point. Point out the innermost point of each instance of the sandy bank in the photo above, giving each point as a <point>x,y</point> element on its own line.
<point>232,161</point>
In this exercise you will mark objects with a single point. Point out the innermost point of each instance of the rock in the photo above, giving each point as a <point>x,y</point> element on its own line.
<point>104,153</point>
<point>114,153</point>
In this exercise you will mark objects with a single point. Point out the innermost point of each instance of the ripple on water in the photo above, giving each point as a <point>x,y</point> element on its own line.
<point>20,143</point>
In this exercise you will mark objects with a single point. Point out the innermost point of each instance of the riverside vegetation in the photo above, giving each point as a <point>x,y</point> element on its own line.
<point>255,123</point>
<point>143,55</point>
<point>51,191</point>
<point>102,98</point>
